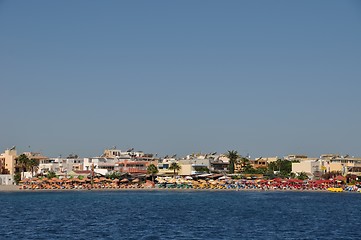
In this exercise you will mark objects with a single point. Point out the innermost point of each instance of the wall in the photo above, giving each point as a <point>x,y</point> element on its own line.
<point>6,179</point>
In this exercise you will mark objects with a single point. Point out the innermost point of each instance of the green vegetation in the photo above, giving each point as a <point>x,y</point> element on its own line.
<point>23,162</point>
<point>283,169</point>
<point>302,176</point>
<point>32,165</point>
<point>175,167</point>
<point>17,178</point>
<point>244,162</point>
<point>233,156</point>
<point>51,174</point>
<point>248,169</point>
<point>113,175</point>
<point>152,170</point>
<point>27,164</point>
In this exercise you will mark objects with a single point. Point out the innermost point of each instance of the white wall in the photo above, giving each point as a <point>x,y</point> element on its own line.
<point>6,179</point>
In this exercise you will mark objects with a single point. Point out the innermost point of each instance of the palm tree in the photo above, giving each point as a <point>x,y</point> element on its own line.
<point>175,167</point>
<point>32,164</point>
<point>233,156</point>
<point>153,170</point>
<point>279,164</point>
<point>23,161</point>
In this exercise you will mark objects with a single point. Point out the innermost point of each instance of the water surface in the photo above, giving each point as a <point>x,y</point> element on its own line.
<point>180,215</point>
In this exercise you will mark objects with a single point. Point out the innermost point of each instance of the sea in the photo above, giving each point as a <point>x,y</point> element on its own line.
<point>179,215</point>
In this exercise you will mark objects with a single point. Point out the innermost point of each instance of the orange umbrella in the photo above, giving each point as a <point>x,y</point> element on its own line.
<point>135,180</point>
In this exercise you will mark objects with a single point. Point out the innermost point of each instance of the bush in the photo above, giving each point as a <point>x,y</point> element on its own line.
<point>17,178</point>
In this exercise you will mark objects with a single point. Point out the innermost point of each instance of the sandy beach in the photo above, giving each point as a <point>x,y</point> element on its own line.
<point>9,188</point>
<point>14,188</point>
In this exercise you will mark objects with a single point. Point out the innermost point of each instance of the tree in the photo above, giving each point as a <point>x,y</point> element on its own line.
<point>23,161</point>
<point>153,170</point>
<point>332,174</point>
<point>244,161</point>
<point>17,178</point>
<point>283,168</point>
<point>249,169</point>
<point>233,156</point>
<point>51,174</point>
<point>302,176</point>
<point>32,164</point>
<point>245,164</point>
<point>113,175</point>
<point>175,167</point>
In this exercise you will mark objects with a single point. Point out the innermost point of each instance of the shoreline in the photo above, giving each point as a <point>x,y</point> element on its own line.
<point>9,188</point>
<point>15,188</point>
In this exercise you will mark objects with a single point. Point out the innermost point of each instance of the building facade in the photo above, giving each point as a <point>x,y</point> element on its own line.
<point>8,161</point>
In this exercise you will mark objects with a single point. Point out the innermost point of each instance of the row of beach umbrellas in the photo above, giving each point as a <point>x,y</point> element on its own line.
<point>77,180</point>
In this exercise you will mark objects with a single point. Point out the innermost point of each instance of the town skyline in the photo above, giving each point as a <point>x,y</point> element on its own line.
<point>263,78</point>
<point>164,154</point>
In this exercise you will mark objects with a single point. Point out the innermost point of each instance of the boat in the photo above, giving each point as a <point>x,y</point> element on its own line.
<point>335,189</point>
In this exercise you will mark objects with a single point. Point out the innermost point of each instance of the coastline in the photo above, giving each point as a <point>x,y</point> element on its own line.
<point>9,188</point>
<point>15,188</point>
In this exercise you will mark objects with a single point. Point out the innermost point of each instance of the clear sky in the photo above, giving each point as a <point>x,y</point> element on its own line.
<point>268,78</point>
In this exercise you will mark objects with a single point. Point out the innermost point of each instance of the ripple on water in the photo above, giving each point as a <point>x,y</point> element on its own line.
<point>179,215</point>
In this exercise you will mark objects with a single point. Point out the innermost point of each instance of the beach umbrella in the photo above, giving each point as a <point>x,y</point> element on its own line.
<point>76,180</point>
<point>57,180</point>
<point>135,180</point>
<point>172,180</point>
<point>340,178</point>
<point>25,180</point>
<point>125,180</point>
<point>223,177</point>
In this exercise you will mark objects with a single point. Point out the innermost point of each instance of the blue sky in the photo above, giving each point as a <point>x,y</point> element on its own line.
<point>268,78</point>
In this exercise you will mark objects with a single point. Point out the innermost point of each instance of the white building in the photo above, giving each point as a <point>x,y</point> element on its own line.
<point>194,166</point>
<point>60,166</point>
<point>311,167</point>
<point>101,165</point>
<point>6,179</point>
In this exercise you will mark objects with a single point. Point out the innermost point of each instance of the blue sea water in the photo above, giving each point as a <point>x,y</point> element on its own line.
<point>179,215</point>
